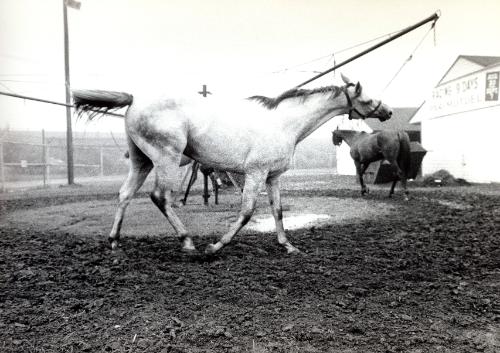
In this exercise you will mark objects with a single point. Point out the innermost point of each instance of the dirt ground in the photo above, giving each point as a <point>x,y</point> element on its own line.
<point>376,274</point>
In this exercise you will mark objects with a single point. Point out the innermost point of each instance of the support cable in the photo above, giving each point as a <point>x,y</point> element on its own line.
<point>333,53</point>
<point>409,57</point>
<point>434,17</point>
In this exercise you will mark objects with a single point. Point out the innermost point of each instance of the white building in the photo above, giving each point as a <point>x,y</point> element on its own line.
<point>461,121</point>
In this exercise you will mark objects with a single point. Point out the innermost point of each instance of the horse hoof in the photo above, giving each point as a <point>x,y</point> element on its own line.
<point>211,249</point>
<point>292,250</point>
<point>114,244</point>
<point>189,250</point>
<point>188,246</point>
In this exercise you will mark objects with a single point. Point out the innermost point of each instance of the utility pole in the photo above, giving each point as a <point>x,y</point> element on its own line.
<point>69,130</point>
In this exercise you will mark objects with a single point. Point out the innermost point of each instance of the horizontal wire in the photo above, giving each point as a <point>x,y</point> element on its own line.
<point>335,53</point>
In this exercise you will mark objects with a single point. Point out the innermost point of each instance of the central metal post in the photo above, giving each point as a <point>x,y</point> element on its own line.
<point>69,129</point>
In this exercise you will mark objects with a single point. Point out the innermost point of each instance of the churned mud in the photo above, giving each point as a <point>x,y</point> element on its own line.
<point>376,275</point>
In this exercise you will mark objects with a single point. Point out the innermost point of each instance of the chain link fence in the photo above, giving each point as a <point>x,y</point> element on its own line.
<point>38,159</point>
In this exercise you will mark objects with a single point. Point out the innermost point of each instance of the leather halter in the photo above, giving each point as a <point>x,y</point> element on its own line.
<point>354,109</point>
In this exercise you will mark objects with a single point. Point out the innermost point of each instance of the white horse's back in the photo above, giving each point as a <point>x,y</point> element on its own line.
<point>209,126</point>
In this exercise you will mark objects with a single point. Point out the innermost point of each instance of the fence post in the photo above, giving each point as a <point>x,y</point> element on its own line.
<point>47,161</point>
<point>101,161</point>
<point>44,159</point>
<point>2,172</point>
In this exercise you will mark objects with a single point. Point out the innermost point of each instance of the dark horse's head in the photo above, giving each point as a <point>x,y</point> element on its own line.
<point>336,138</point>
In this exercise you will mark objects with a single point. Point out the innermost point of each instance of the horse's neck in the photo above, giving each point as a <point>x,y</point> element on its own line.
<point>351,137</point>
<point>300,119</point>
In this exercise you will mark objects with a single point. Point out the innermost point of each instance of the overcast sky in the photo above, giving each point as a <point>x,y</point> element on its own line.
<point>237,48</point>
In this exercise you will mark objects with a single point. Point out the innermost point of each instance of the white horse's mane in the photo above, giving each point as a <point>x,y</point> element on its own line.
<point>272,103</point>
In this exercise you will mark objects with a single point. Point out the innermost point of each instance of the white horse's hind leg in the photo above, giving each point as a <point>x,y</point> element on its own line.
<point>253,182</point>
<point>162,197</point>
<point>140,166</point>
<point>273,192</point>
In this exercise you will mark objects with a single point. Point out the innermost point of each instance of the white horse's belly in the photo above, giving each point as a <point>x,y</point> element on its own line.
<point>241,151</point>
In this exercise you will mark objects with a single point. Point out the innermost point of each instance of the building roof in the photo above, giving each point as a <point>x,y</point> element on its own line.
<point>400,120</point>
<point>480,60</point>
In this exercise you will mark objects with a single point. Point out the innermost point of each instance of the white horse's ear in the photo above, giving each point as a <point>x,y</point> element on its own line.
<point>358,88</point>
<point>345,78</point>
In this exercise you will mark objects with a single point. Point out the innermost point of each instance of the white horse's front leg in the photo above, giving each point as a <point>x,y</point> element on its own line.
<point>253,183</point>
<point>273,192</point>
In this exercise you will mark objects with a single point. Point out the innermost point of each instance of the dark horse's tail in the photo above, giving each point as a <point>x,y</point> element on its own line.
<point>96,102</point>
<point>404,159</point>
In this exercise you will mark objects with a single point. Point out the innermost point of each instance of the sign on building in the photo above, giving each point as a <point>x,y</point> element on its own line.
<point>491,93</point>
<point>466,93</point>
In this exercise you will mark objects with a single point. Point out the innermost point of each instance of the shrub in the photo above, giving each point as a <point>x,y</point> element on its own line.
<point>442,178</point>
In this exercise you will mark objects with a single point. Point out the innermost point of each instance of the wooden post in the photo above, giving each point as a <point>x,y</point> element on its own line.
<point>2,171</point>
<point>44,159</point>
<point>47,165</point>
<point>101,161</point>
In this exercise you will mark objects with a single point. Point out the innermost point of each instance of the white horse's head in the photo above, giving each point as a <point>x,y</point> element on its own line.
<point>361,106</point>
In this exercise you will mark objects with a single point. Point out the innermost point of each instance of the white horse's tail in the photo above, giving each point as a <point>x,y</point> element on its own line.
<point>96,102</point>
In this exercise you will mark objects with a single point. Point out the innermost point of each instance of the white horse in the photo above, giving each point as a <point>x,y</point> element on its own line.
<point>259,145</point>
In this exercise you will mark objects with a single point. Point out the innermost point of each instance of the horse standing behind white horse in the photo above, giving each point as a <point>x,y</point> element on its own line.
<point>259,145</point>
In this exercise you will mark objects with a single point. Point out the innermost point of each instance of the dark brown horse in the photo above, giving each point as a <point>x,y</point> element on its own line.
<point>207,172</point>
<point>393,146</point>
